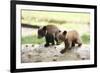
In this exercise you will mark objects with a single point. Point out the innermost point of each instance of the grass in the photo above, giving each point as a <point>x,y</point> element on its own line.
<point>85,38</point>
<point>32,17</point>
<point>32,40</point>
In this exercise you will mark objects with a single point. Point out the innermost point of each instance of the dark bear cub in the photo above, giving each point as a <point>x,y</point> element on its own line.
<point>49,32</point>
<point>70,39</point>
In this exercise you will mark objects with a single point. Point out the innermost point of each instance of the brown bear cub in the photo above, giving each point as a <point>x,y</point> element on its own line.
<point>49,32</point>
<point>70,39</point>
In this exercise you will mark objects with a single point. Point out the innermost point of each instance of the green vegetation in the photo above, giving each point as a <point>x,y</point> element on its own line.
<point>85,38</point>
<point>32,40</point>
<point>45,17</point>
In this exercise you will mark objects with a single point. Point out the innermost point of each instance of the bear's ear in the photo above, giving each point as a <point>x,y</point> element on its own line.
<point>65,32</point>
<point>44,28</point>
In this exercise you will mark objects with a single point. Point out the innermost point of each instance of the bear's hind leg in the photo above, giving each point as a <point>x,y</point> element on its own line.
<point>53,40</point>
<point>73,44</point>
<point>79,43</point>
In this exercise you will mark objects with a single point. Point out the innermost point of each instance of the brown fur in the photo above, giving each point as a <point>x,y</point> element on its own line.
<point>70,38</point>
<point>49,32</point>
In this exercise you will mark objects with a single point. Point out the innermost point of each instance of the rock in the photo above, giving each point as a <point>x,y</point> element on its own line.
<point>39,53</point>
<point>54,59</point>
<point>83,52</point>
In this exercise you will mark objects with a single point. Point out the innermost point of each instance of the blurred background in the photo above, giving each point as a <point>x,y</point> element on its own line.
<point>32,20</point>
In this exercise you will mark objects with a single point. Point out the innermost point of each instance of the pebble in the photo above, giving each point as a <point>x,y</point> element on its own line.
<point>39,53</point>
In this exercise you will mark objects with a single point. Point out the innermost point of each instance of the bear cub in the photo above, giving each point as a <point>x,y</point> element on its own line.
<point>49,32</point>
<point>70,39</point>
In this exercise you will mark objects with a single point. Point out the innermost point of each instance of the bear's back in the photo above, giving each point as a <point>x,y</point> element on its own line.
<point>72,35</point>
<point>52,29</point>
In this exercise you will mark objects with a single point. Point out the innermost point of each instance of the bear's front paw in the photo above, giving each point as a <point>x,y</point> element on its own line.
<point>63,51</point>
<point>46,45</point>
